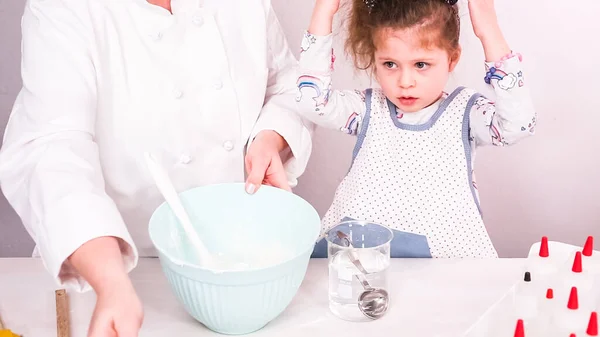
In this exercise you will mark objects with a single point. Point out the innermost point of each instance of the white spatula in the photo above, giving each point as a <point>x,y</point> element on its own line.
<point>166,188</point>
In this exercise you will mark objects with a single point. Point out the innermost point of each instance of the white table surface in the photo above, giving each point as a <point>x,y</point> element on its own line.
<point>430,297</point>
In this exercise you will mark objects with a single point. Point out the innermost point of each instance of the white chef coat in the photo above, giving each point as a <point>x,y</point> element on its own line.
<point>106,80</point>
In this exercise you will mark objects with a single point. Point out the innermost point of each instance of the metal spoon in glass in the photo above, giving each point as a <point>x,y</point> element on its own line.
<point>373,302</point>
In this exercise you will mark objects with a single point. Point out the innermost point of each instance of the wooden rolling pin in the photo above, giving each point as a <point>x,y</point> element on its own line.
<point>62,314</point>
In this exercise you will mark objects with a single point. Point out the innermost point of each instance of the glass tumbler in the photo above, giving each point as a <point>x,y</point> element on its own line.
<point>371,245</point>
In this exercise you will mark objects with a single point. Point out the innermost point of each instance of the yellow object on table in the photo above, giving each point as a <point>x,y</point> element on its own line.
<point>62,317</point>
<point>5,332</point>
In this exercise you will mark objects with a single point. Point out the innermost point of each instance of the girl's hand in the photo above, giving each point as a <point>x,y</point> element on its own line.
<point>486,28</point>
<point>328,8</point>
<point>483,17</point>
<point>322,17</point>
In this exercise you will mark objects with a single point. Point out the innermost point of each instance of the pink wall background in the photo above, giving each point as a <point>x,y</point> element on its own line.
<point>546,185</point>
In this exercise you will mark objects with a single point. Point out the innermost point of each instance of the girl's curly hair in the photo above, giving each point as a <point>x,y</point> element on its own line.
<point>435,20</point>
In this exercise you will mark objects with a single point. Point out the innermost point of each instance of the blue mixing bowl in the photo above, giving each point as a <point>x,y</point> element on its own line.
<point>277,227</point>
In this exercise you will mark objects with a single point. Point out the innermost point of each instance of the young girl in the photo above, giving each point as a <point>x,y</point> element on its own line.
<point>412,167</point>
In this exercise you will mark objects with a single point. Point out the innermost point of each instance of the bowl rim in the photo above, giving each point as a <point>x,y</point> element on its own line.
<point>182,264</point>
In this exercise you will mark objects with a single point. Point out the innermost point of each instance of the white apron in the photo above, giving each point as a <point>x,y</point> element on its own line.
<point>417,180</point>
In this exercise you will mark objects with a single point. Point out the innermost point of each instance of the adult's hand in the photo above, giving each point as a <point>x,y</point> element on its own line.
<point>263,162</point>
<point>118,311</point>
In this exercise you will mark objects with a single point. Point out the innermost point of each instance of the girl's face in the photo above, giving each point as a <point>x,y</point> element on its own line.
<point>411,76</point>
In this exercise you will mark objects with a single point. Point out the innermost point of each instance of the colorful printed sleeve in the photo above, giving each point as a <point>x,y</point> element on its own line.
<point>335,109</point>
<point>512,116</point>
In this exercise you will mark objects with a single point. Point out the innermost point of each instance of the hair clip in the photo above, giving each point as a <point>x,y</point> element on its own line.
<point>451,2</point>
<point>370,4</point>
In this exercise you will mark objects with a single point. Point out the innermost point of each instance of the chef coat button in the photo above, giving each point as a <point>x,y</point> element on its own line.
<point>185,159</point>
<point>156,36</point>
<point>177,93</point>
<point>198,20</point>
<point>228,145</point>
